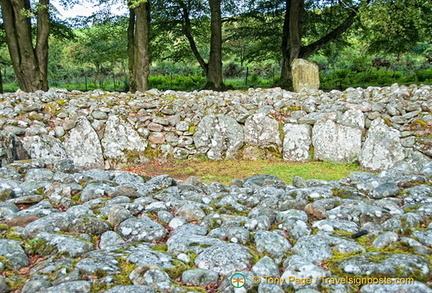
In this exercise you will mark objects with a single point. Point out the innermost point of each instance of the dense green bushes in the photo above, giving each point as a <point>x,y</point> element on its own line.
<point>344,78</point>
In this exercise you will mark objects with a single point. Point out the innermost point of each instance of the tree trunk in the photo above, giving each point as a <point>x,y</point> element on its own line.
<point>1,82</point>
<point>30,64</point>
<point>141,56</point>
<point>43,31</point>
<point>292,34</point>
<point>130,46</point>
<point>291,39</point>
<point>214,72</point>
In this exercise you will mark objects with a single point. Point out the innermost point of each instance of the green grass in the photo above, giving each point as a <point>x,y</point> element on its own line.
<point>227,170</point>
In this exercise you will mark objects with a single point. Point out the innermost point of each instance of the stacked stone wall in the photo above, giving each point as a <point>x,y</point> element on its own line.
<point>377,127</point>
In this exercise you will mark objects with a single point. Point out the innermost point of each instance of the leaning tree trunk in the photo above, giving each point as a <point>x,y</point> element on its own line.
<point>187,30</point>
<point>140,62</point>
<point>30,64</point>
<point>214,72</point>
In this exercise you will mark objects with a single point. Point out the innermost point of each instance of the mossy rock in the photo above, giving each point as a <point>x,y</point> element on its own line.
<point>126,268</point>
<point>177,270</point>
<point>418,124</point>
<point>41,247</point>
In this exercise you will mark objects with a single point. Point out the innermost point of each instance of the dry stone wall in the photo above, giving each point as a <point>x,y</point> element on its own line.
<point>377,127</point>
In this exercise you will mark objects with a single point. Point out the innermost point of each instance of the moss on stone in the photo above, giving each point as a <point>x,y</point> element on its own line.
<point>160,247</point>
<point>99,286</point>
<point>13,235</point>
<point>418,124</point>
<point>388,122</point>
<point>125,269</point>
<point>41,247</point>
<point>152,153</point>
<point>177,270</point>
<point>15,282</point>
<point>6,194</point>
<point>60,102</point>
<point>192,128</point>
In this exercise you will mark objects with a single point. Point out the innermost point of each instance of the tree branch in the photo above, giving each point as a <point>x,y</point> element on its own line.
<point>308,50</point>
<point>187,29</point>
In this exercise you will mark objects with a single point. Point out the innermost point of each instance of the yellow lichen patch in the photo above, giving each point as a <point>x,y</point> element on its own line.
<point>418,124</point>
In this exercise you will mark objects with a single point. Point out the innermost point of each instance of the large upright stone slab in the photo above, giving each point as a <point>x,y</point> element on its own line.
<point>297,142</point>
<point>84,147</point>
<point>45,147</point>
<point>382,148</point>
<point>336,143</point>
<point>305,75</point>
<point>121,142</point>
<point>218,136</point>
<point>263,131</point>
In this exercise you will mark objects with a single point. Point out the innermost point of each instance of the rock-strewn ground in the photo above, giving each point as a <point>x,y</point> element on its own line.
<point>112,231</point>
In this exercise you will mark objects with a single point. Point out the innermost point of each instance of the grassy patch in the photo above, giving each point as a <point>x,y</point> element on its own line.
<point>227,170</point>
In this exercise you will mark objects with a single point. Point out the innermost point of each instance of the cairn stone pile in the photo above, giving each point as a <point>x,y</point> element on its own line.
<point>377,127</point>
<point>70,225</point>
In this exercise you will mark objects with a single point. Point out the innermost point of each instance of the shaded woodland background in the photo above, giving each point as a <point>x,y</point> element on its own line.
<point>355,43</point>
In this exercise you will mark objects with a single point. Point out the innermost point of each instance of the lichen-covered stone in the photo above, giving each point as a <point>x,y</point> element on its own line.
<point>200,277</point>
<point>45,147</point>
<point>12,251</point>
<point>120,140</point>
<point>263,131</point>
<point>134,229</point>
<point>84,147</point>
<point>382,148</point>
<point>386,264</point>
<point>218,136</point>
<point>73,286</point>
<point>224,258</point>
<point>130,289</point>
<point>305,75</point>
<point>272,243</point>
<point>49,243</point>
<point>297,142</point>
<point>312,247</point>
<point>336,143</point>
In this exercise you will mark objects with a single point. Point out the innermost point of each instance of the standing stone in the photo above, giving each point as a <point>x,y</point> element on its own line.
<point>305,75</point>
<point>297,141</point>
<point>84,147</point>
<point>45,147</point>
<point>121,142</point>
<point>336,143</point>
<point>382,148</point>
<point>262,131</point>
<point>218,136</point>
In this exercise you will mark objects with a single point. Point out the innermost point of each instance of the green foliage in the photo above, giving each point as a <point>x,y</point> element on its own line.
<point>399,25</point>
<point>391,44</point>
<point>176,82</point>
